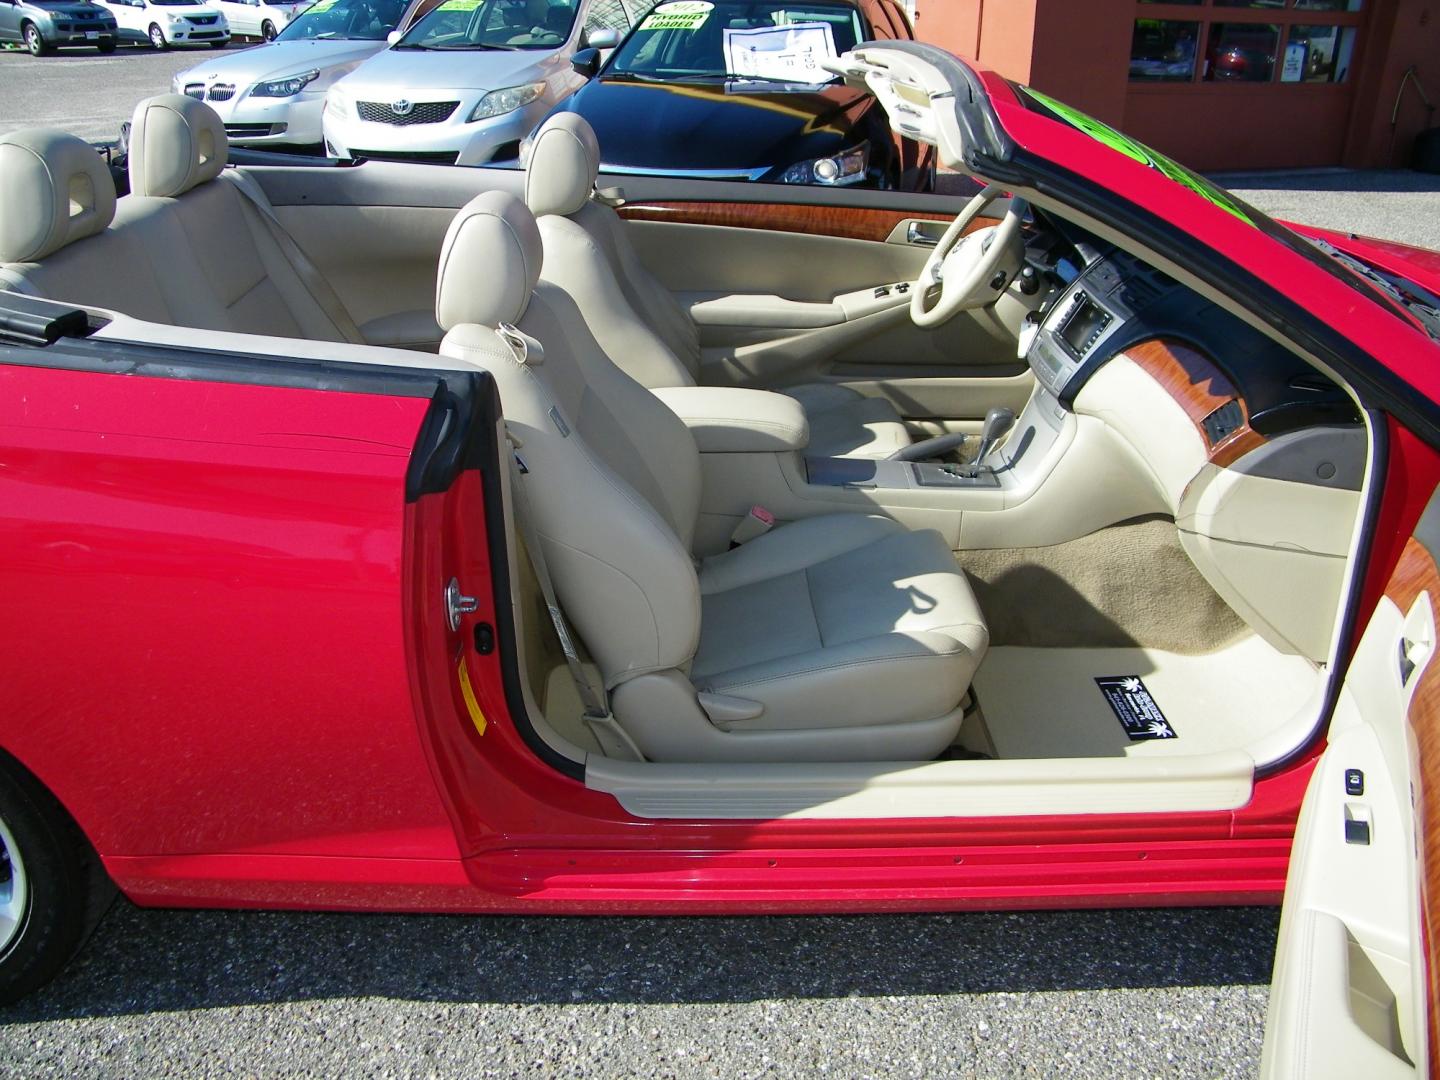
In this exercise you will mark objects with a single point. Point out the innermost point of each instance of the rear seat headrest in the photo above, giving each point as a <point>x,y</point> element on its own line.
<point>57,190</point>
<point>489,264</point>
<point>176,143</point>
<point>563,163</point>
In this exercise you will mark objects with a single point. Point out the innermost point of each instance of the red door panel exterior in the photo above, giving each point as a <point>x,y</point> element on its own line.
<point>204,641</point>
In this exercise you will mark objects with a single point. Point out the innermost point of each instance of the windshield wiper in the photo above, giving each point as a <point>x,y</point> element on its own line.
<point>475,47</point>
<point>411,45</point>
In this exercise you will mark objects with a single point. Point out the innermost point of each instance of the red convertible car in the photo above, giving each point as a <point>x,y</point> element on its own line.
<point>416,538</point>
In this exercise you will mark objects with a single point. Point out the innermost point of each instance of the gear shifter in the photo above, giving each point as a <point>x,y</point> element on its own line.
<point>998,422</point>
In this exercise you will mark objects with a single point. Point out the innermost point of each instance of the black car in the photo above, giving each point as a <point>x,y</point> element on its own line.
<point>733,90</point>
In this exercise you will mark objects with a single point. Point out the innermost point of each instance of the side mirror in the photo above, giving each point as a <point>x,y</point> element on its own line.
<point>604,38</point>
<point>586,62</point>
<point>392,38</point>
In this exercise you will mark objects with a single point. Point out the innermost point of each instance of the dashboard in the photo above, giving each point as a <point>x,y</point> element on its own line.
<point>1107,302</point>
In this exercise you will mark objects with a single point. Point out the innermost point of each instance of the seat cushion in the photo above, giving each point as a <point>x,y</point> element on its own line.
<point>843,620</point>
<point>846,424</point>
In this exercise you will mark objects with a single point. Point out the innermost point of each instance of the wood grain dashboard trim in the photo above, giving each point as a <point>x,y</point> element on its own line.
<point>1199,387</point>
<point>848,222</point>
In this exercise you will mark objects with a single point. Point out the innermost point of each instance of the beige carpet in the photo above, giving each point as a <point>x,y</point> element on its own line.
<point>1044,703</point>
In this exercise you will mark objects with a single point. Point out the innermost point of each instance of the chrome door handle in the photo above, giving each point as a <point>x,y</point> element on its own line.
<point>917,235</point>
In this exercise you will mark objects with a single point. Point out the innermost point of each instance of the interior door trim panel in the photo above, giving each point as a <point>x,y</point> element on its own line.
<point>849,222</point>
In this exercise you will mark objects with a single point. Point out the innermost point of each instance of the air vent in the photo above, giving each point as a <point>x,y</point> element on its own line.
<point>1223,422</point>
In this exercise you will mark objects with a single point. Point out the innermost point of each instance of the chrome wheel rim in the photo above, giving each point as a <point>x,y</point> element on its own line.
<point>157,38</point>
<point>14,889</point>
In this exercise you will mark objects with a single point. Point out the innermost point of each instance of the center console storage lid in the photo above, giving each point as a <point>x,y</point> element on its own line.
<point>727,420</point>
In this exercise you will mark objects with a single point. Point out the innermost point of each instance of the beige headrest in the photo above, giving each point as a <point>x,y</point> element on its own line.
<point>56,190</point>
<point>176,143</point>
<point>489,263</point>
<point>563,163</point>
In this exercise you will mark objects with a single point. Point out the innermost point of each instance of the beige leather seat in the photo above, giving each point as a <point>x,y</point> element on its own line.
<point>186,247</point>
<point>636,319</point>
<point>843,637</point>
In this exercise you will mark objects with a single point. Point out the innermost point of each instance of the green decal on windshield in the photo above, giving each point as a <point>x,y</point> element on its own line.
<point>320,7</point>
<point>460,5</point>
<point>1103,133</point>
<point>679,15</point>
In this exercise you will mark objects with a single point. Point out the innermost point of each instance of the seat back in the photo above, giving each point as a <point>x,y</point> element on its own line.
<point>186,247</point>
<point>588,254</point>
<point>613,476</point>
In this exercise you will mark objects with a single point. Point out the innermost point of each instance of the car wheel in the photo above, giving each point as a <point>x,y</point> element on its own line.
<point>267,31</point>
<point>34,41</point>
<point>49,898</point>
<point>106,46</point>
<point>157,37</point>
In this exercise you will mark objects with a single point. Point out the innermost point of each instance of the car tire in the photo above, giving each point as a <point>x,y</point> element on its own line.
<point>52,890</point>
<point>267,31</point>
<point>106,46</point>
<point>157,37</point>
<point>35,41</point>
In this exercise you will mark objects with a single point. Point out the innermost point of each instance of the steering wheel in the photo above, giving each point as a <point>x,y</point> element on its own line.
<point>962,266</point>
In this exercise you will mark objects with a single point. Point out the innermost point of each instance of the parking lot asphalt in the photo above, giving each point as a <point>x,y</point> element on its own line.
<point>85,93</point>
<point>1076,994</point>
<point>1066,994</point>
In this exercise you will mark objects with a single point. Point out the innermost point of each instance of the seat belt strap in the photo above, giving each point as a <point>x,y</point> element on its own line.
<point>309,275</point>
<point>611,736</point>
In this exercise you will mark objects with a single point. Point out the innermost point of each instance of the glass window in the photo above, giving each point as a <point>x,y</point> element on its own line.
<point>1318,54</point>
<point>1251,3</point>
<point>1329,5</point>
<point>491,24</point>
<point>606,15</point>
<point>1241,52</point>
<point>1193,2</point>
<point>1163,50</point>
<point>336,20</point>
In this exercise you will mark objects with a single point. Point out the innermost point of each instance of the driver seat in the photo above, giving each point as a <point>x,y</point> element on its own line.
<point>636,320</point>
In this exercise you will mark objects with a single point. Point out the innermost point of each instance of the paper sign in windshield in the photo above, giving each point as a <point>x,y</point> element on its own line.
<point>784,53</point>
<point>679,15</point>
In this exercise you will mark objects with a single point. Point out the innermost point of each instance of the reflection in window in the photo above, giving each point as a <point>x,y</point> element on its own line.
<point>1251,3</point>
<point>1163,50</point>
<point>1329,5</point>
<point>1241,52</point>
<point>1195,2</point>
<point>1318,54</point>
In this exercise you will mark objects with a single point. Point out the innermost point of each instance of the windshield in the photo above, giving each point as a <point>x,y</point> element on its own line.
<point>1213,193</point>
<point>355,20</point>
<point>176,3</point>
<point>493,24</point>
<point>739,39</point>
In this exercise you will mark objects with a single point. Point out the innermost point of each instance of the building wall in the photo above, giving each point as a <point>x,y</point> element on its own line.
<point>1079,52</point>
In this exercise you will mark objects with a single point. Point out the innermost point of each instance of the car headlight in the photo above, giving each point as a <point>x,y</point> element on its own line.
<point>173,19</point>
<point>286,87</point>
<point>849,167</point>
<point>500,102</point>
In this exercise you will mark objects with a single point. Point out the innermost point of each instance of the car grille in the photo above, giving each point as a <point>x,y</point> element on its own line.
<point>423,112</point>
<point>221,92</point>
<point>250,131</point>
<point>202,20</point>
<point>429,157</point>
<point>195,90</point>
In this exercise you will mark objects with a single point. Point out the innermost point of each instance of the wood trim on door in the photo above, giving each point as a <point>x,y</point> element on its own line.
<point>848,222</point>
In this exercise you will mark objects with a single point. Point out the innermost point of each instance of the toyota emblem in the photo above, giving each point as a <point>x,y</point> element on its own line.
<point>403,107</point>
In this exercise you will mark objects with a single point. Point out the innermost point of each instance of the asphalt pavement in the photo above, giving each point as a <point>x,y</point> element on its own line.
<point>1075,994</point>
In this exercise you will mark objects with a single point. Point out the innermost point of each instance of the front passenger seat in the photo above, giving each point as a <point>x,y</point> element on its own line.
<point>845,637</point>
<point>637,319</point>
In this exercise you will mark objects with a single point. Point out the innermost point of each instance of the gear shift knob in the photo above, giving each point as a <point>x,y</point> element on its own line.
<point>998,422</point>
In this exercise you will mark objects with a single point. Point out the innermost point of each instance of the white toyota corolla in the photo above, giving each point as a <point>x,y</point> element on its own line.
<point>272,95</point>
<point>469,80</point>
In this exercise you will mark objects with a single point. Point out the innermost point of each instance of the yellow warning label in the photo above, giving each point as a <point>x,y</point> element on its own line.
<point>468,693</point>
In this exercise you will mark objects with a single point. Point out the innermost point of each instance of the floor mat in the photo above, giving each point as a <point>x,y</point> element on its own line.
<point>1047,703</point>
